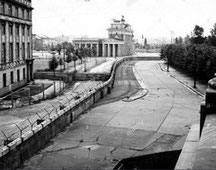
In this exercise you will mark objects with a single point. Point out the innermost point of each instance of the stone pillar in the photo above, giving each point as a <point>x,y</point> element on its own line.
<point>26,42</point>
<point>7,41</point>
<point>117,49</point>
<point>108,50</point>
<point>30,40</point>
<point>114,53</point>
<point>14,42</point>
<point>97,47</point>
<point>103,50</point>
<point>20,41</point>
<point>0,46</point>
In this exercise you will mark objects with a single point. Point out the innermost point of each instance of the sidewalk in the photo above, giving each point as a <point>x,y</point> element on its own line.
<point>185,79</point>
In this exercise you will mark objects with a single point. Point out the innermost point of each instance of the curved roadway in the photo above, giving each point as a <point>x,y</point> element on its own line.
<point>114,129</point>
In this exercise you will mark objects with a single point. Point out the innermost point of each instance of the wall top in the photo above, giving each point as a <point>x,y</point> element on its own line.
<point>212,83</point>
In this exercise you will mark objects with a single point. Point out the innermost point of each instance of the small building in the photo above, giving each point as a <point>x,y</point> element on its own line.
<point>42,42</point>
<point>119,42</point>
<point>16,63</point>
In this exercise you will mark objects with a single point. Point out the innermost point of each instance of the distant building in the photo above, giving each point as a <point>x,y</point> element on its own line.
<point>16,63</point>
<point>119,42</point>
<point>42,42</point>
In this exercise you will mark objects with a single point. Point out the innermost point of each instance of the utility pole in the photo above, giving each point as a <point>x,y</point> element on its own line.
<point>172,33</point>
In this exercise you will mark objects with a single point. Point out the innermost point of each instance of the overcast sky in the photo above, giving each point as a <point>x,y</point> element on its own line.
<point>152,18</point>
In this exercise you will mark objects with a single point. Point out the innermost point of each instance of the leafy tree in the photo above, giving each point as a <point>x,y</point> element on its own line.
<point>212,39</point>
<point>145,42</point>
<point>74,58</point>
<point>213,30</point>
<point>61,61</point>
<point>58,48</point>
<point>198,35</point>
<point>178,40</point>
<point>78,54</point>
<point>198,31</point>
<point>187,40</point>
<point>53,63</point>
<point>68,58</point>
<point>94,51</point>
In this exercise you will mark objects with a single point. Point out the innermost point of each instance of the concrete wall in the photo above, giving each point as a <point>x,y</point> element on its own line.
<point>91,76</point>
<point>68,77</point>
<point>21,149</point>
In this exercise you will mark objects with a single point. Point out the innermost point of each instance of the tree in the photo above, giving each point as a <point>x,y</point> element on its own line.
<point>178,40</point>
<point>61,61</point>
<point>198,35</point>
<point>53,63</point>
<point>74,58</point>
<point>212,39</point>
<point>145,42</point>
<point>58,48</point>
<point>68,58</point>
<point>78,54</point>
<point>198,31</point>
<point>213,30</point>
<point>187,39</point>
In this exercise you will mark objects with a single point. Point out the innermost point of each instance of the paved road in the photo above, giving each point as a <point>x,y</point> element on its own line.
<point>114,129</point>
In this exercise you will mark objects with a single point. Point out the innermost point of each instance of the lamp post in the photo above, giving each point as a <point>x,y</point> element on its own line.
<point>167,64</point>
<point>53,53</point>
<point>195,67</point>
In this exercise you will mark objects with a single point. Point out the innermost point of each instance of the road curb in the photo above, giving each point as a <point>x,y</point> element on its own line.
<point>200,94</point>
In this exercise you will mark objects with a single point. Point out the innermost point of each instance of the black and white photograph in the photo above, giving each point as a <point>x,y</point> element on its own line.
<point>107,84</point>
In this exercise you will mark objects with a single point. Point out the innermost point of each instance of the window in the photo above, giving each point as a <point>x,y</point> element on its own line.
<point>10,12</point>
<point>17,30</point>
<point>28,31</point>
<point>24,73</point>
<point>3,28</point>
<point>23,30</point>
<point>17,51</point>
<point>18,75</point>
<point>23,51</point>
<point>11,77</point>
<point>11,29</point>
<point>4,80</point>
<point>28,48</point>
<point>11,52</point>
<point>23,14</point>
<point>28,15</point>
<point>16,12</point>
<point>3,53</point>
<point>2,8</point>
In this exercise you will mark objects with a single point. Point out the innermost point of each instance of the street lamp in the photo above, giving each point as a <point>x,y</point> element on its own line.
<point>53,53</point>
<point>167,63</point>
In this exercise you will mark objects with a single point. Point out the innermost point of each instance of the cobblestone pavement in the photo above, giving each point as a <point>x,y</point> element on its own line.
<point>114,129</point>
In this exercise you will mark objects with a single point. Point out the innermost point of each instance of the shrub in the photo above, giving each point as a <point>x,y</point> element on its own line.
<point>53,63</point>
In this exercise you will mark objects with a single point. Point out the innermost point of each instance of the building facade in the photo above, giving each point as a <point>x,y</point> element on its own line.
<point>16,63</point>
<point>42,42</point>
<point>119,42</point>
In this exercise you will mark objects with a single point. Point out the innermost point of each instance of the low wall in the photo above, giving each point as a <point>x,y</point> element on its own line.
<point>6,90</point>
<point>66,77</point>
<point>91,76</point>
<point>21,149</point>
